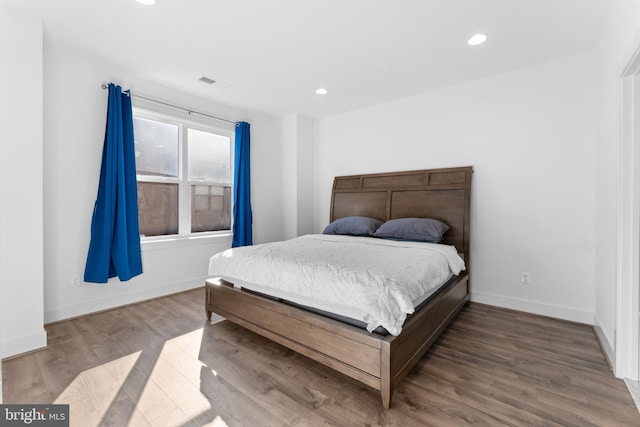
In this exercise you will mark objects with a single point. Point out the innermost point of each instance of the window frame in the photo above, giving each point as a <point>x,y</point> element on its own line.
<point>182,180</point>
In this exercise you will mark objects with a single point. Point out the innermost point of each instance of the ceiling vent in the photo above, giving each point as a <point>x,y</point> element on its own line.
<point>206,80</point>
<point>217,84</point>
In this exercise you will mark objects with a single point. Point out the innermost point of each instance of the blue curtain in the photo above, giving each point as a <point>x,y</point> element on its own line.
<point>242,219</point>
<point>114,249</point>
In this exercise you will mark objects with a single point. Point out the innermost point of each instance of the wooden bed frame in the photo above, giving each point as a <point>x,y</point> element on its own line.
<point>378,361</point>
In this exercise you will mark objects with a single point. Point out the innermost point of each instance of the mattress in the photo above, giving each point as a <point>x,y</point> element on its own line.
<point>348,320</point>
<point>378,282</point>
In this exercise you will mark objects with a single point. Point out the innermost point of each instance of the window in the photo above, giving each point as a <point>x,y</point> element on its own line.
<point>184,176</point>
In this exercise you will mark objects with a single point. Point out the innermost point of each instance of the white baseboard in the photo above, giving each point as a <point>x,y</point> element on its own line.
<point>634,391</point>
<point>605,343</point>
<point>24,344</point>
<point>88,307</point>
<point>535,307</point>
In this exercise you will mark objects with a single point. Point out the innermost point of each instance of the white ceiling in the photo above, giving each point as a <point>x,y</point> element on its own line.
<point>275,53</point>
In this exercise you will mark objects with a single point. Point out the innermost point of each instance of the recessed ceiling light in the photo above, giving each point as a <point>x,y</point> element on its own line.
<point>147,2</point>
<point>477,39</point>
<point>321,91</point>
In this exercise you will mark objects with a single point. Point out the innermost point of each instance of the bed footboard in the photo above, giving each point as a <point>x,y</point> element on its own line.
<point>378,361</point>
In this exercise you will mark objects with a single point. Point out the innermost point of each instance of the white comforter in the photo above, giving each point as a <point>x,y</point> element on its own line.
<point>373,280</point>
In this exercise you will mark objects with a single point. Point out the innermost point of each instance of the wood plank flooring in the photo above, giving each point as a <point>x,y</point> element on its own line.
<point>160,363</point>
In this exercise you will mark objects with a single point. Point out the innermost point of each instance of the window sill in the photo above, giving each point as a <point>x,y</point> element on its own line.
<point>155,243</point>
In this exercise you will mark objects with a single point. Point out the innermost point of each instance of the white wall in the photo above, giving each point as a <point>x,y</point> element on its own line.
<point>530,136</point>
<point>74,120</point>
<point>21,221</point>
<point>620,35</point>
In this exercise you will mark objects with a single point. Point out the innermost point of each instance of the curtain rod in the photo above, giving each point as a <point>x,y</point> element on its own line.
<point>188,110</point>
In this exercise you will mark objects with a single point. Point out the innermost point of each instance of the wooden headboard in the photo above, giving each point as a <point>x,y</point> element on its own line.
<point>442,194</point>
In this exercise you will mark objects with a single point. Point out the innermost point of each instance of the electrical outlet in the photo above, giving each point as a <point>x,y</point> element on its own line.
<point>525,278</point>
<point>76,282</point>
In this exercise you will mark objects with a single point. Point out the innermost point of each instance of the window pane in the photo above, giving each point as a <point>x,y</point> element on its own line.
<point>157,146</point>
<point>209,156</point>
<point>210,208</point>
<point>158,208</point>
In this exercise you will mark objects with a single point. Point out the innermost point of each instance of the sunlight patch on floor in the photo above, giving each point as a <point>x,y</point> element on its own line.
<point>94,390</point>
<point>98,384</point>
<point>217,422</point>
<point>163,385</point>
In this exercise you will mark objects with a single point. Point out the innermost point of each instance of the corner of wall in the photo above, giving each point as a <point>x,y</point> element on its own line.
<point>297,160</point>
<point>21,219</point>
<point>608,348</point>
<point>24,344</point>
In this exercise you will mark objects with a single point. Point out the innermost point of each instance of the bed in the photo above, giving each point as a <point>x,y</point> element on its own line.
<point>377,360</point>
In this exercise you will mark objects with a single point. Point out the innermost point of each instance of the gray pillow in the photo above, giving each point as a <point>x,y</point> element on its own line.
<point>415,229</point>
<point>353,225</point>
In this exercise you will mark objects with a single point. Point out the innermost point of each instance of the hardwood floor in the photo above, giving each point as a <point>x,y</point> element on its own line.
<point>160,363</point>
